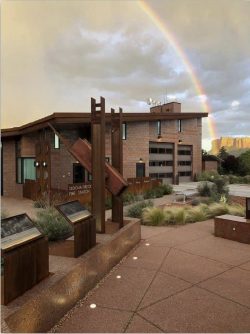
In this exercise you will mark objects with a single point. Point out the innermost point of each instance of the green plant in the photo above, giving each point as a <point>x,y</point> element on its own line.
<point>159,191</point>
<point>129,197</point>
<point>236,210</point>
<point>135,210</point>
<point>218,209</point>
<point>180,215</point>
<point>153,216</point>
<point>53,225</point>
<point>207,176</point>
<point>198,213</point>
<point>206,189</point>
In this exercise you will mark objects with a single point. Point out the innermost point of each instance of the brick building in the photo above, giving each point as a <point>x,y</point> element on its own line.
<point>164,143</point>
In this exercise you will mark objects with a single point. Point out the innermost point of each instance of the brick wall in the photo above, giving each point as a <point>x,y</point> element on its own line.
<point>209,165</point>
<point>10,187</point>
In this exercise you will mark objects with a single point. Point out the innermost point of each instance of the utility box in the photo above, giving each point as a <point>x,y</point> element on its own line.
<point>83,224</point>
<point>25,256</point>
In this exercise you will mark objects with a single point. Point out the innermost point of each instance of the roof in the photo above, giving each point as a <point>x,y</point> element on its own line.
<point>81,118</point>
<point>210,157</point>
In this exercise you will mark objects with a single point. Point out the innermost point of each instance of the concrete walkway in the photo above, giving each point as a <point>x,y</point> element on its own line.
<point>179,279</point>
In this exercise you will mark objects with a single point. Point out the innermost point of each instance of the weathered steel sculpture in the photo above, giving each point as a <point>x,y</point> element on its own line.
<point>117,162</point>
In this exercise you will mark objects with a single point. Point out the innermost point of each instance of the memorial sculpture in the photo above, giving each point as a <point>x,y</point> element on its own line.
<point>92,157</point>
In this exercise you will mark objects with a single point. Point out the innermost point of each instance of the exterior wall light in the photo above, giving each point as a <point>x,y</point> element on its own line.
<point>180,141</point>
<point>140,160</point>
<point>44,164</point>
<point>36,163</point>
<point>159,138</point>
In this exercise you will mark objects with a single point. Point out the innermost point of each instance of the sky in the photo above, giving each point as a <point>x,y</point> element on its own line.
<point>56,55</point>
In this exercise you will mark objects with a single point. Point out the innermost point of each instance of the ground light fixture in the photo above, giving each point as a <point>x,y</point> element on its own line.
<point>135,257</point>
<point>92,306</point>
<point>147,244</point>
<point>118,276</point>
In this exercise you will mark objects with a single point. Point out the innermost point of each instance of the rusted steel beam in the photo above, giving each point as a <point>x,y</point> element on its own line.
<point>117,162</point>
<point>98,162</point>
<point>81,150</point>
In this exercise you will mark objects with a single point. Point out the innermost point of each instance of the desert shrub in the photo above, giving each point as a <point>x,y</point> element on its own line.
<point>217,209</point>
<point>129,197</point>
<point>236,210</point>
<point>206,189</point>
<point>208,176</point>
<point>135,210</point>
<point>53,225</point>
<point>221,185</point>
<point>195,202</point>
<point>166,188</point>
<point>41,203</point>
<point>198,213</point>
<point>153,216</point>
<point>180,215</point>
<point>159,191</point>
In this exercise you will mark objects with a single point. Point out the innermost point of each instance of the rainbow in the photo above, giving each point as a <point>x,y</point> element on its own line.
<point>183,57</point>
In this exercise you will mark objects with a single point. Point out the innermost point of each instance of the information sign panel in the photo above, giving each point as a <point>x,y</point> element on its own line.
<point>74,211</point>
<point>17,230</point>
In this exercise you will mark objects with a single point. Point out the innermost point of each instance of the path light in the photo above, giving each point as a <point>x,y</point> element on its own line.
<point>135,257</point>
<point>147,244</point>
<point>118,276</point>
<point>92,305</point>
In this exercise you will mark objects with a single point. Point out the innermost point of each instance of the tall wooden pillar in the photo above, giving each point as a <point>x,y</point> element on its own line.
<point>117,162</point>
<point>98,162</point>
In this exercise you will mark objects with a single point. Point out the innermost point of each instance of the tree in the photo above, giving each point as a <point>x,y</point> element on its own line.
<point>223,154</point>
<point>230,165</point>
<point>204,153</point>
<point>244,163</point>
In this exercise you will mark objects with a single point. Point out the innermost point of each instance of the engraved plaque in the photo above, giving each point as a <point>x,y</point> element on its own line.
<point>17,230</point>
<point>74,211</point>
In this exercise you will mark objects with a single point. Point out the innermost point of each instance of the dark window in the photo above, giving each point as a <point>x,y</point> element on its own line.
<point>25,169</point>
<point>124,131</point>
<point>160,175</point>
<point>184,173</point>
<point>160,163</point>
<point>78,173</point>
<point>56,141</point>
<point>140,169</point>
<point>184,163</point>
<point>184,152</point>
<point>160,150</point>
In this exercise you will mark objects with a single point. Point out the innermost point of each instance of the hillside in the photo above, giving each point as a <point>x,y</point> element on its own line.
<point>233,145</point>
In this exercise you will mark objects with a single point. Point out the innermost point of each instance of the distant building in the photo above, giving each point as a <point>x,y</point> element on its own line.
<point>210,163</point>
<point>164,143</point>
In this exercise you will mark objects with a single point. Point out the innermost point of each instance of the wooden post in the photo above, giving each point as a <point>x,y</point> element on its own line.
<point>98,162</point>
<point>117,162</point>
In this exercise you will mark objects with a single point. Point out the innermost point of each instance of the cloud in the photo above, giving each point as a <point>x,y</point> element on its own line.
<point>93,48</point>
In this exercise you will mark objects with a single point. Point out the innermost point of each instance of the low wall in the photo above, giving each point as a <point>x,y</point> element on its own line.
<point>237,200</point>
<point>47,308</point>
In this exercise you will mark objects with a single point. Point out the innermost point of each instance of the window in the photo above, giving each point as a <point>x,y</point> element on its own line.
<point>25,169</point>
<point>160,175</point>
<point>184,163</point>
<point>184,173</point>
<point>78,173</point>
<point>160,163</point>
<point>160,150</point>
<point>184,152</point>
<point>179,125</point>
<point>158,128</point>
<point>56,142</point>
<point>124,131</point>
